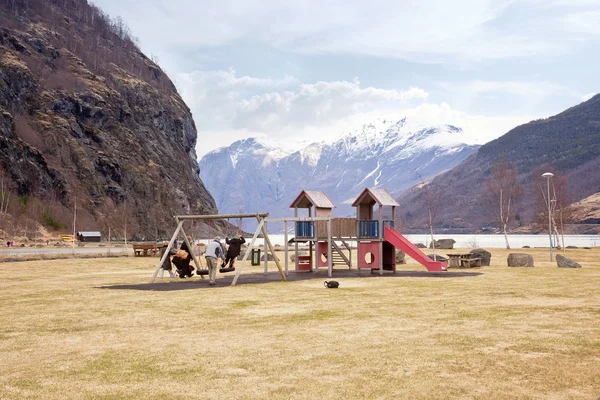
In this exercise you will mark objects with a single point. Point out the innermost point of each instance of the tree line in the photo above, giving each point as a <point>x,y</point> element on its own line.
<point>506,194</point>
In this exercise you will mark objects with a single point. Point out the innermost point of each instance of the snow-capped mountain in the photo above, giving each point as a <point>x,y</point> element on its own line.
<point>256,175</point>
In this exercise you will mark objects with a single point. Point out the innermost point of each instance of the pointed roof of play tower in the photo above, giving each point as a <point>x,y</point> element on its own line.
<point>375,195</point>
<point>309,198</point>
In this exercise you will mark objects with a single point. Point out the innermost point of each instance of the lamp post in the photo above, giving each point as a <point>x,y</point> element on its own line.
<point>548,176</point>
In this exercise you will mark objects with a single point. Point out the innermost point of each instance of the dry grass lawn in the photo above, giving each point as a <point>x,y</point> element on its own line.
<point>87,329</point>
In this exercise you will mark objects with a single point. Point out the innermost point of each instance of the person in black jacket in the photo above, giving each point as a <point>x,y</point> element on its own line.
<point>183,264</point>
<point>166,265</point>
<point>235,246</point>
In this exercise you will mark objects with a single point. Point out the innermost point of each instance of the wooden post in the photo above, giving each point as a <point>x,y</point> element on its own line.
<point>350,253</point>
<point>380,222</point>
<point>295,241</point>
<point>238,270</point>
<point>266,262</point>
<point>285,243</point>
<point>329,252</point>
<point>164,257</point>
<point>189,245</point>
<point>358,260</point>
<point>310,252</point>
<point>380,257</point>
<point>277,263</point>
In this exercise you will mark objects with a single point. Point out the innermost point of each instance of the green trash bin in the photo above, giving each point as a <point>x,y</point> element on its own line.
<point>255,257</point>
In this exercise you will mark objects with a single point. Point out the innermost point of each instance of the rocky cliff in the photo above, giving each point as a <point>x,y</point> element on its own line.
<point>86,117</point>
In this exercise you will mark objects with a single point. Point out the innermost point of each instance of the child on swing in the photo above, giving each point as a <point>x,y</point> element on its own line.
<point>235,246</point>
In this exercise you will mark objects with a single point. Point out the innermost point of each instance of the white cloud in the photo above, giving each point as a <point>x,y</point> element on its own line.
<point>224,100</point>
<point>504,97</point>
<point>588,96</point>
<point>228,107</point>
<point>213,96</point>
<point>316,104</point>
<point>427,30</point>
<point>496,58</point>
<point>587,22</point>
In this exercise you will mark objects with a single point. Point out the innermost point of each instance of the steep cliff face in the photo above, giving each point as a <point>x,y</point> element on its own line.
<point>85,115</point>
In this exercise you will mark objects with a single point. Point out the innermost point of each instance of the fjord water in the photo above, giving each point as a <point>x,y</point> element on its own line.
<point>491,241</point>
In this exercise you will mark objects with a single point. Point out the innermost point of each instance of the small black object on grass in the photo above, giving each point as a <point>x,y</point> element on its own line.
<point>332,284</point>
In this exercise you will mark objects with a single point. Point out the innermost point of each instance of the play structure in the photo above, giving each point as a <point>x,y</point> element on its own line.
<point>372,230</point>
<point>326,240</point>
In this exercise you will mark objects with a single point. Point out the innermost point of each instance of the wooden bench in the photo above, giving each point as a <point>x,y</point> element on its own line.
<point>145,249</point>
<point>470,262</point>
<point>463,260</point>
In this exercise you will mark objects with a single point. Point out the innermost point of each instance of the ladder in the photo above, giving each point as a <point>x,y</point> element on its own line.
<point>337,254</point>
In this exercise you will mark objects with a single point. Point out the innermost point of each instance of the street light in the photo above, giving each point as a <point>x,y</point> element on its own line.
<point>548,176</point>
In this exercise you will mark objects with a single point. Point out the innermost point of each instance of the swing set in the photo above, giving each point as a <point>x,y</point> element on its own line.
<point>223,269</point>
<point>261,228</point>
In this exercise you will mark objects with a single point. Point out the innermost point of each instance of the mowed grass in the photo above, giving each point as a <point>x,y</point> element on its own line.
<point>86,329</point>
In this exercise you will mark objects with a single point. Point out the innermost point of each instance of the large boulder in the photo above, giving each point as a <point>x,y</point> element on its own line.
<point>269,257</point>
<point>400,257</point>
<point>566,262</point>
<point>437,257</point>
<point>485,256</point>
<point>520,260</point>
<point>420,246</point>
<point>446,244</point>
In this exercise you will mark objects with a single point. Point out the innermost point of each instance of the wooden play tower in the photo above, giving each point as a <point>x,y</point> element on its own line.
<point>321,232</point>
<point>374,252</point>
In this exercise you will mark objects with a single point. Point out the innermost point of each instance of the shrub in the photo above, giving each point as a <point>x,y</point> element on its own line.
<point>50,222</point>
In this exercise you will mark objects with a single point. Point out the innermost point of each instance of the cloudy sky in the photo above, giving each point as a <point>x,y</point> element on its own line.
<point>313,69</point>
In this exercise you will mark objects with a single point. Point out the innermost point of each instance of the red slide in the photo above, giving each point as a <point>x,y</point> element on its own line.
<point>402,243</point>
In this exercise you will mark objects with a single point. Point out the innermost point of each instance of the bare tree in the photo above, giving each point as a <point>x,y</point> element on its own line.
<point>560,199</point>
<point>4,194</point>
<point>125,218</point>
<point>504,192</point>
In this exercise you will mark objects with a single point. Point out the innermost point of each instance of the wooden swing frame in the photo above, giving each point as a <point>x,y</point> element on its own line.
<point>261,218</point>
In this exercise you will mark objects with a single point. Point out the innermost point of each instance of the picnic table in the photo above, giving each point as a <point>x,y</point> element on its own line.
<point>145,249</point>
<point>463,260</point>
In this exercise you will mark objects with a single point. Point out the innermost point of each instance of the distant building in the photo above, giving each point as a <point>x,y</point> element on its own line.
<point>89,236</point>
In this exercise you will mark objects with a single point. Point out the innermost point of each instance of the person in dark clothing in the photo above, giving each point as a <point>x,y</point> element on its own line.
<point>235,246</point>
<point>183,264</point>
<point>166,265</point>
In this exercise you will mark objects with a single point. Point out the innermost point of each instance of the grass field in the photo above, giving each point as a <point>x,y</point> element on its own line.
<point>92,329</point>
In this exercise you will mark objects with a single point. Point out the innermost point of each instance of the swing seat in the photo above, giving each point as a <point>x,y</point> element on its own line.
<point>230,269</point>
<point>201,272</point>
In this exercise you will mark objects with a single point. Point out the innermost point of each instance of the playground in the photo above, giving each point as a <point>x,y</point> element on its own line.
<point>329,239</point>
<point>94,330</point>
<point>118,328</point>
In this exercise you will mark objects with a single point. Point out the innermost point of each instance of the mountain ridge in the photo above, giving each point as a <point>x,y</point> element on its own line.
<point>376,154</point>
<point>568,143</point>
